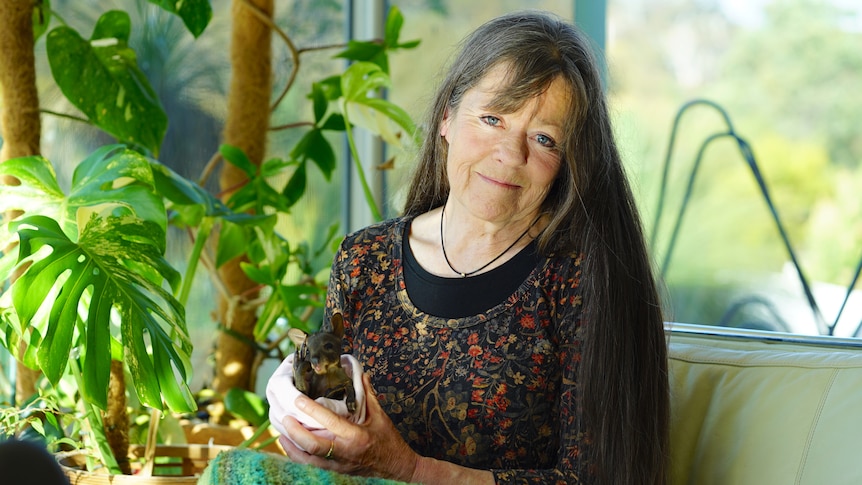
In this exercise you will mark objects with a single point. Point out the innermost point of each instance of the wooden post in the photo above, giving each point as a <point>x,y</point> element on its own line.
<point>246,127</point>
<point>20,125</point>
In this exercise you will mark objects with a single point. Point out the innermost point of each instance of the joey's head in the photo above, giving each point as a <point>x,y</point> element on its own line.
<point>321,349</point>
<point>324,352</point>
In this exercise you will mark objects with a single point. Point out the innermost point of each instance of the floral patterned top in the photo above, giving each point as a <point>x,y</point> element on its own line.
<point>493,391</point>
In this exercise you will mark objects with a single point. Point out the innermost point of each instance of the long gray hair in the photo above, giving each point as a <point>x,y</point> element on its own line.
<point>592,212</point>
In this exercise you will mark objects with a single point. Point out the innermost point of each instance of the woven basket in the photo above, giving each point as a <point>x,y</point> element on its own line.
<point>175,465</point>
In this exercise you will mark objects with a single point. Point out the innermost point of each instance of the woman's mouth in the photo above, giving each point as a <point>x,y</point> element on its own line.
<point>499,182</point>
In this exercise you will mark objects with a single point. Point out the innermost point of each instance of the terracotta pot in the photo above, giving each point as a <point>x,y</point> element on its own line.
<point>185,465</point>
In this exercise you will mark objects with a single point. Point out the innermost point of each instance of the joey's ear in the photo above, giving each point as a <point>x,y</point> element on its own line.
<point>297,336</point>
<point>337,324</point>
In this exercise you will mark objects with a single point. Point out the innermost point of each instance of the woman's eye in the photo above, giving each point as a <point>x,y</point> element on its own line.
<point>491,120</point>
<point>545,140</point>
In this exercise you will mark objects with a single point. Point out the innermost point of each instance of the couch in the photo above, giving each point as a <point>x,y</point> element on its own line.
<point>764,408</point>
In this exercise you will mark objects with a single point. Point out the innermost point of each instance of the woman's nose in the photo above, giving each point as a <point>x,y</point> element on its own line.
<point>512,149</point>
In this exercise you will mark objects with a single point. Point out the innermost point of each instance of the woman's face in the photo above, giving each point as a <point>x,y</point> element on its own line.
<point>502,165</point>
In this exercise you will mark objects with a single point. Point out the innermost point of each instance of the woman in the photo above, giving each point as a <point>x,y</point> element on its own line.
<point>508,323</point>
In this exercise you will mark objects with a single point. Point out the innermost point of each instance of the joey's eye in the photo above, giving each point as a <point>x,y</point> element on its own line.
<point>546,141</point>
<point>490,120</point>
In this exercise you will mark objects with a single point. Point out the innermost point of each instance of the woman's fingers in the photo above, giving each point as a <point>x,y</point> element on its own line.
<point>302,444</point>
<point>330,421</point>
<point>374,448</point>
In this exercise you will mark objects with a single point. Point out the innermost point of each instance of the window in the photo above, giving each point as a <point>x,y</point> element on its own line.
<point>786,74</point>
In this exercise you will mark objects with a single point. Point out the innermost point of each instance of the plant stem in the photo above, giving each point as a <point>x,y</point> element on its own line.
<point>201,239</point>
<point>290,125</point>
<point>263,444</point>
<point>366,189</point>
<point>67,116</point>
<point>294,52</point>
<point>94,419</point>
<point>208,169</point>
<point>150,445</point>
<point>303,50</point>
<point>257,434</point>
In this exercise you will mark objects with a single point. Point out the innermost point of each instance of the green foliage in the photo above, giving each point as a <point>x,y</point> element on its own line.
<point>41,17</point>
<point>788,79</point>
<point>44,417</point>
<point>196,14</point>
<point>800,72</point>
<point>247,405</point>
<point>376,51</point>
<point>91,281</point>
<point>362,78</point>
<point>97,180</point>
<point>105,265</point>
<point>100,76</point>
<point>375,114</point>
<point>271,256</point>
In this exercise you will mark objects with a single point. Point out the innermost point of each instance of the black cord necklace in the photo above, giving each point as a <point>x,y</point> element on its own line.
<point>464,275</point>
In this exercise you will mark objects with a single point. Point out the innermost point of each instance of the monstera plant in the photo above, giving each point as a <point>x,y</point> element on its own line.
<point>88,295</point>
<point>93,284</point>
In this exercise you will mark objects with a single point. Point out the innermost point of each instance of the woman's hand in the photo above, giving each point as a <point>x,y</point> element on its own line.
<point>373,448</point>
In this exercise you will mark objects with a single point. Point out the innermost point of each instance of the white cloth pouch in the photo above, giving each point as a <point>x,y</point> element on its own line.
<point>281,392</point>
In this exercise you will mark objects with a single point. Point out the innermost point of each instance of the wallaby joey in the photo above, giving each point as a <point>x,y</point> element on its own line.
<point>317,370</point>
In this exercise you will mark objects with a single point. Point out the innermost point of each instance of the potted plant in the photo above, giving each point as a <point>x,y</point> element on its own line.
<point>90,298</point>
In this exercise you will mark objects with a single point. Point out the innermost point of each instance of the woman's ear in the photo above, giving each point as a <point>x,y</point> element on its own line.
<point>444,125</point>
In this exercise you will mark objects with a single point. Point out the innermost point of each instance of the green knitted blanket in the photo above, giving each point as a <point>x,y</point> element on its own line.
<point>241,466</point>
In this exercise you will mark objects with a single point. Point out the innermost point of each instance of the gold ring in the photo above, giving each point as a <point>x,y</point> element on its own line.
<point>331,449</point>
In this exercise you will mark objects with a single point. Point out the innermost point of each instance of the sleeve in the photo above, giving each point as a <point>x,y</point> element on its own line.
<point>572,464</point>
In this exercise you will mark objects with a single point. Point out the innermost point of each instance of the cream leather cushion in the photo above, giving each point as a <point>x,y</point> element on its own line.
<point>763,413</point>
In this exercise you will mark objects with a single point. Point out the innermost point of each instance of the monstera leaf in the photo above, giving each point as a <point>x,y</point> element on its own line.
<point>69,297</point>
<point>112,175</point>
<point>93,271</point>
